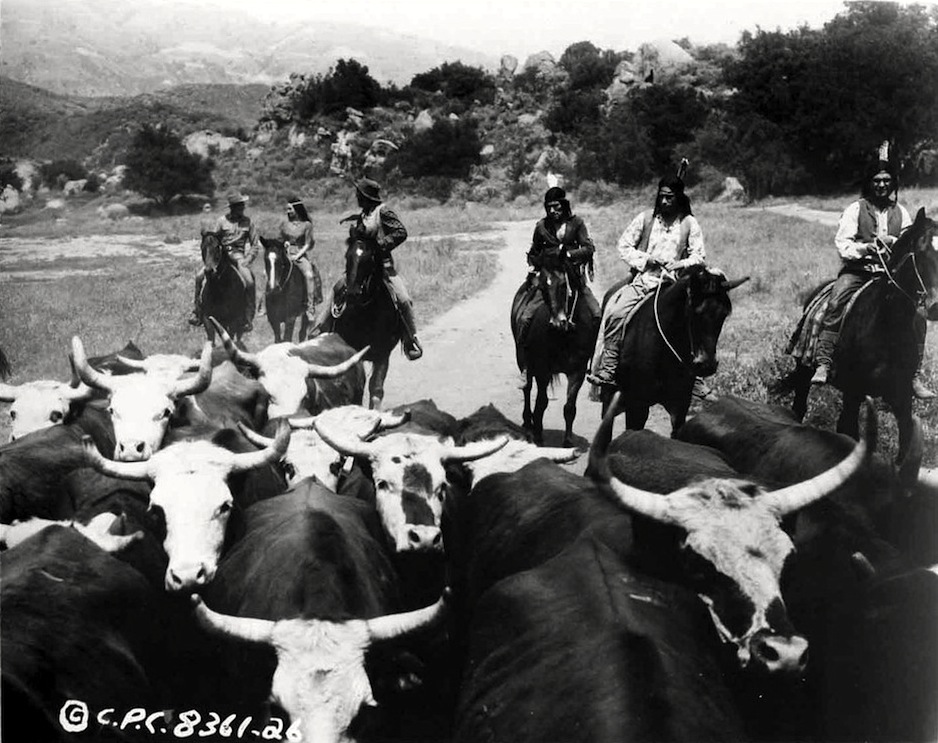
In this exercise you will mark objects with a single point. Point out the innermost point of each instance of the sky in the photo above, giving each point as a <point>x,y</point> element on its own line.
<point>522,27</point>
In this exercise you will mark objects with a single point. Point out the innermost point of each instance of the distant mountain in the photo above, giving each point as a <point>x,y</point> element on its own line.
<point>116,48</point>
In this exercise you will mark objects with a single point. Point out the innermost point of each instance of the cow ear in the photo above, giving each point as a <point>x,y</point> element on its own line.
<point>729,285</point>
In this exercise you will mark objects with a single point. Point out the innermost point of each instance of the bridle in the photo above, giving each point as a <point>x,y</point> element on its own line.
<point>920,292</point>
<point>664,337</point>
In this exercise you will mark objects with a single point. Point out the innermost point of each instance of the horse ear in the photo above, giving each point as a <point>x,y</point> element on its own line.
<point>920,216</point>
<point>729,285</point>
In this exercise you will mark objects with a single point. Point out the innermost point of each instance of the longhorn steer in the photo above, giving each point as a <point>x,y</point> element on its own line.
<point>141,404</point>
<point>189,486</point>
<point>734,547</point>
<point>309,580</point>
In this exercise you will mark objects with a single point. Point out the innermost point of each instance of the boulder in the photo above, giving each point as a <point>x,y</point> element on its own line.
<point>10,200</point>
<point>29,173</point>
<point>507,66</point>
<point>114,182</point>
<point>545,67</point>
<point>296,137</point>
<point>661,60</point>
<point>732,190</point>
<point>113,212</point>
<point>626,77</point>
<point>423,121</point>
<point>488,150</point>
<point>205,142</point>
<point>73,188</point>
<point>55,205</point>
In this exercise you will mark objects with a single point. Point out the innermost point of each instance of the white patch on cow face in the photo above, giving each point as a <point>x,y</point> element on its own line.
<point>38,405</point>
<point>189,486</point>
<point>410,487</point>
<point>284,378</point>
<point>741,538</point>
<point>320,677</point>
<point>140,410</point>
<point>934,243</point>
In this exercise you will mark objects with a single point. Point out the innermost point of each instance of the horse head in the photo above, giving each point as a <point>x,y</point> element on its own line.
<point>914,263</point>
<point>706,309</point>
<point>276,262</point>
<point>214,254</point>
<point>361,266</point>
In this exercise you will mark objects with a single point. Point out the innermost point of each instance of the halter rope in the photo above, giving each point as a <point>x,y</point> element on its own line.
<point>658,322</point>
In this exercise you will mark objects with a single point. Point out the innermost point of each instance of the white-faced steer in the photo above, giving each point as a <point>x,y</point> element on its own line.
<point>409,478</point>
<point>40,404</point>
<point>141,404</point>
<point>190,486</point>
<point>283,369</point>
<point>734,548</point>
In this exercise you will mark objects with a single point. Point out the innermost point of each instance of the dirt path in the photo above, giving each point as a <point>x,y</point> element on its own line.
<point>469,359</point>
<point>811,215</point>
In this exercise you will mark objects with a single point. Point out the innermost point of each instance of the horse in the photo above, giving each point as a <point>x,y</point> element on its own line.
<point>367,315</point>
<point>877,353</point>
<point>223,293</point>
<point>670,340</point>
<point>285,292</point>
<point>558,340</point>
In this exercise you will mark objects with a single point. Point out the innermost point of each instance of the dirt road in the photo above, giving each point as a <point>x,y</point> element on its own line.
<point>469,357</point>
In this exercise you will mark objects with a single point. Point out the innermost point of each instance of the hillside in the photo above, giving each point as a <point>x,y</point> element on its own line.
<point>111,47</point>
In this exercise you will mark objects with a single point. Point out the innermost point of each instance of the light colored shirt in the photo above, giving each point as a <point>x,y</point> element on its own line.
<point>237,236</point>
<point>848,246</point>
<point>664,245</point>
<point>299,233</point>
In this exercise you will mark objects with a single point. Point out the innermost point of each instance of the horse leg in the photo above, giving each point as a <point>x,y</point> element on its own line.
<point>379,372</point>
<point>527,421</point>
<point>574,382</point>
<point>275,326</point>
<point>636,416</point>
<point>677,410</point>
<point>849,420</point>
<point>288,326</point>
<point>540,405</point>
<point>802,385</point>
<point>903,412</point>
<point>304,329</point>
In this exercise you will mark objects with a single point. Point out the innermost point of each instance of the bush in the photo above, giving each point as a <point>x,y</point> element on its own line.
<point>348,84</point>
<point>56,173</point>
<point>9,177</point>
<point>160,167</point>
<point>457,81</point>
<point>448,149</point>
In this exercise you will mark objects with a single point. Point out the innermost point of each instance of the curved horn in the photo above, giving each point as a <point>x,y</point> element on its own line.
<point>74,394</point>
<point>790,499</point>
<point>268,455</point>
<point>474,450</point>
<point>137,364</point>
<point>395,625</point>
<point>88,374</point>
<point>126,470</point>
<point>242,628</point>
<point>254,437</point>
<point>558,453</point>
<point>8,392</point>
<point>235,353</point>
<point>201,381</point>
<point>598,467</point>
<point>351,446</point>
<point>327,372</point>
<point>392,420</point>
<point>908,470</point>
<point>653,505</point>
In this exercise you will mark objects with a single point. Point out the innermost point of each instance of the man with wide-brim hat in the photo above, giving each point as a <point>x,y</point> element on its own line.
<point>239,237</point>
<point>382,228</point>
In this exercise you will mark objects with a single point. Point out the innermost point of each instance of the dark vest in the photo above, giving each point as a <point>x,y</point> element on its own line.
<point>866,221</point>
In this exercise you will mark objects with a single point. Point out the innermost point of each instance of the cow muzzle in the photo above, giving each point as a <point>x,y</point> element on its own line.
<point>778,654</point>
<point>188,577</point>
<point>421,538</point>
<point>132,451</point>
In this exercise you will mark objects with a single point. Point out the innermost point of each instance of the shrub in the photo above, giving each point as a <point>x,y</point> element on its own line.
<point>457,80</point>
<point>9,177</point>
<point>160,167</point>
<point>57,172</point>
<point>348,84</point>
<point>448,149</point>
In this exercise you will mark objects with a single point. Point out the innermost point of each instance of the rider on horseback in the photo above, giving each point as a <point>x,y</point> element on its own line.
<point>236,231</point>
<point>297,230</point>
<point>381,227</point>
<point>559,235</point>
<point>868,229</point>
<point>668,238</point>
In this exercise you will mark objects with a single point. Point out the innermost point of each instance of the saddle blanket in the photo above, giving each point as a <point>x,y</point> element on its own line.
<point>803,342</point>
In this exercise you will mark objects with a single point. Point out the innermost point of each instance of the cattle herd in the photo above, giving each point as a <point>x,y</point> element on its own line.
<point>231,547</point>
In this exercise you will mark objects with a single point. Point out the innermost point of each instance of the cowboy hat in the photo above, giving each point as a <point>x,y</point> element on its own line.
<point>369,190</point>
<point>236,197</point>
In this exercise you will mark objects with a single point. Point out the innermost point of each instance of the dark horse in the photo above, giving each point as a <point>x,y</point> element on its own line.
<point>367,315</point>
<point>669,341</point>
<point>223,294</point>
<point>877,353</point>
<point>558,340</point>
<point>285,292</point>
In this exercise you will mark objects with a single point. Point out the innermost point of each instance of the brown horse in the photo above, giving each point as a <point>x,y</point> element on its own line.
<point>878,350</point>
<point>285,292</point>
<point>558,340</point>
<point>671,340</point>
<point>223,293</point>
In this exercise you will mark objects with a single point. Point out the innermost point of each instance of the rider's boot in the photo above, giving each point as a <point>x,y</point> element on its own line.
<point>196,317</point>
<point>920,390</point>
<point>411,345</point>
<point>822,356</point>
<point>248,312</point>
<point>310,298</point>
<point>605,373</point>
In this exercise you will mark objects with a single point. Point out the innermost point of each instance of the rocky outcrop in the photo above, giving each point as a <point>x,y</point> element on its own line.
<point>507,67</point>
<point>423,121</point>
<point>662,60</point>
<point>733,191</point>
<point>205,143</point>
<point>545,67</point>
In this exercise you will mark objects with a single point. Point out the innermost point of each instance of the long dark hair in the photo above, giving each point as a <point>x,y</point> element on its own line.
<point>680,198</point>
<point>300,210</point>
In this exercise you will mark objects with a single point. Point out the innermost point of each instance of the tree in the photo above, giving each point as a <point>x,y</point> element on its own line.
<point>448,148</point>
<point>457,80</point>
<point>587,66</point>
<point>160,167</point>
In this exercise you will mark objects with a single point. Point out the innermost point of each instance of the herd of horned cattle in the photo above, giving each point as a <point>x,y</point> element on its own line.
<point>231,547</point>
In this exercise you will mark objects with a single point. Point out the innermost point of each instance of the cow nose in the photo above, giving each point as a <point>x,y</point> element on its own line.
<point>779,654</point>
<point>187,577</point>
<point>424,539</point>
<point>133,451</point>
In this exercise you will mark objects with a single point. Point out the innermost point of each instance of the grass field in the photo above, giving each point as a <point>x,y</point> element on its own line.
<point>147,302</point>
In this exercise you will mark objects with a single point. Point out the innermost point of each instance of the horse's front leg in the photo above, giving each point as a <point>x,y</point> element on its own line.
<point>636,416</point>
<point>802,384</point>
<point>678,406</point>
<point>574,382</point>
<point>849,420</point>
<point>288,326</point>
<point>379,372</point>
<point>527,420</point>
<point>902,409</point>
<point>540,405</point>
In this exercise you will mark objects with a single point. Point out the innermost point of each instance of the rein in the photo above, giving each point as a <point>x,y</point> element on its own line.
<point>661,332</point>
<point>890,276</point>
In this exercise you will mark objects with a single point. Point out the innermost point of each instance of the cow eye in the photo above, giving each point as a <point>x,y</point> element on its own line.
<point>56,416</point>
<point>224,508</point>
<point>382,485</point>
<point>110,411</point>
<point>12,415</point>
<point>166,413</point>
<point>289,470</point>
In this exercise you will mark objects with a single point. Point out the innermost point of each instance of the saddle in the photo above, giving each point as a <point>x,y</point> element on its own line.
<point>803,342</point>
